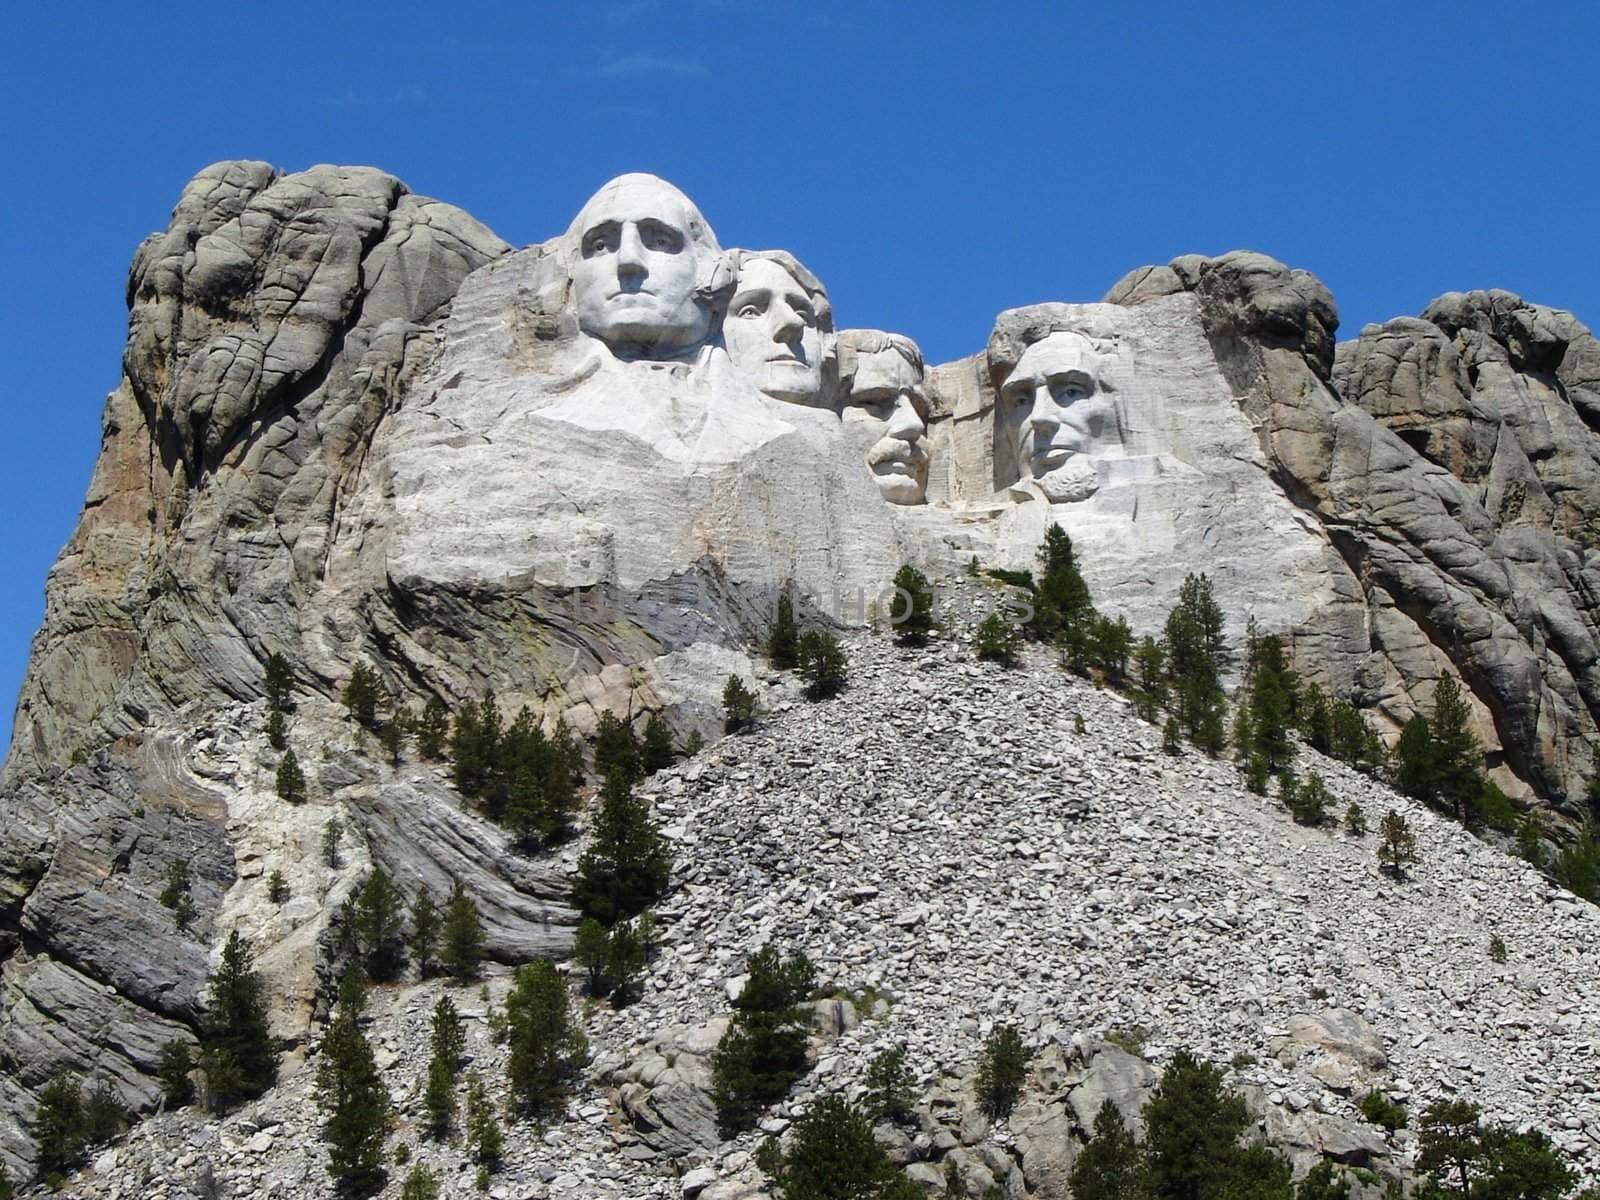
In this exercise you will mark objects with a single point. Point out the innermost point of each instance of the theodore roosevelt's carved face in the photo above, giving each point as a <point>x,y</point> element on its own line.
<point>645,259</point>
<point>1059,414</point>
<point>886,404</point>
<point>775,334</point>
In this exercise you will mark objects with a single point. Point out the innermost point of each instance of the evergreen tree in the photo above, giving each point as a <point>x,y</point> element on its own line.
<point>1113,641</point>
<point>1324,1181</point>
<point>483,1130</point>
<point>291,779</point>
<point>591,946</point>
<point>373,926</point>
<point>424,936</point>
<point>236,1025</point>
<point>1415,772</point>
<point>763,1050</point>
<point>1450,1145</point>
<point>355,1108</point>
<point>439,1098</point>
<point>177,1061</point>
<point>1062,610</point>
<point>546,1047</point>
<point>739,704</point>
<point>1397,845</point>
<point>1457,755</point>
<point>1002,1069</point>
<point>352,995</point>
<point>360,696</point>
<point>616,748</point>
<point>59,1133</point>
<point>890,1094</point>
<point>332,831</point>
<point>822,664</point>
<point>996,640</point>
<point>655,750</point>
<point>1577,867</point>
<point>624,961</point>
<point>277,730</point>
<point>277,887</point>
<point>433,729</point>
<point>628,863</point>
<point>1195,654</point>
<point>833,1155</point>
<point>1192,1128</point>
<point>783,646</point>
<point>911,612</point>
<point>1522,1166</point>
<point>1150,661</point>
<point>278,683</point>
<point>420,1184</point>
<point>1111,1164</point>
<point>475,746</point>
<point>540,787</point>
<point>393,737</point>
<point>448,1039</point>
<point>1316,720</point>
<point>1355,820</point>
<point>462,951</point>
<point>1272,696</point>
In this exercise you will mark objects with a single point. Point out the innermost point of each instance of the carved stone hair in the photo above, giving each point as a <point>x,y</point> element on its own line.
<point>798,271</point>
<point>855,344</point>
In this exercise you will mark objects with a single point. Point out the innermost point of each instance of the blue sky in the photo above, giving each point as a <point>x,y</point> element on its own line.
<point>933,163</point>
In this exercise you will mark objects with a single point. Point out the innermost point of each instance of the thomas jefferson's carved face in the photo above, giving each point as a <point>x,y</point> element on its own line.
<point>1058,415</point>
<point>886,400</point>
<point>773,334</point>
<point>644,252</point>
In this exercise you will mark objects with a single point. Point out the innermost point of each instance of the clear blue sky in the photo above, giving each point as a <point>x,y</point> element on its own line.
<point>933,163</point>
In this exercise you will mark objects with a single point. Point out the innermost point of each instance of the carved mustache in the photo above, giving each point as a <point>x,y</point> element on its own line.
<point>894,450</point>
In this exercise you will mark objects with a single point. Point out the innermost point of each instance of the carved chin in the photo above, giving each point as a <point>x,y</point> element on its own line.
<point>1074,480</point>
<point>900,489</point>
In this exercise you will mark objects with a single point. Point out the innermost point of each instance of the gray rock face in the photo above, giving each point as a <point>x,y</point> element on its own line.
<point>1452,462</point>
<point>354,426</point>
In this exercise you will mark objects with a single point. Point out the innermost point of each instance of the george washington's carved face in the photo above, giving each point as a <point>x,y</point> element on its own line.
<point>645,256</point>
<point>1058,415</point>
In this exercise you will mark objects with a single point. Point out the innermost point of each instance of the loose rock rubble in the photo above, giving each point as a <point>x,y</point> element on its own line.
<point>951,854</point>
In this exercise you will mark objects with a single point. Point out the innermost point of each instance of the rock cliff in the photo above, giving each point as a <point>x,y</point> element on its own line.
<point>353,425</point>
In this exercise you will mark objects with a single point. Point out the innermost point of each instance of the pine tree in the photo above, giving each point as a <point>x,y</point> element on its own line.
<point>1111,1164</point>
<point>591,946</point>
<point>616,748</point>
<point>448,1038</point>
<point>624,961</point>
<point>483,1130</point>
<point>176,1064</point>
<point>1316,719</point>
<point>1397,845</point>
<point>277,887</point>
<point>360,696</point>
<point>833,1155</point>
<point>291,779</point>
<point>783,646</point>
<point>1457,754</point>
<point>352,996</point>
<point>1150,661</point>
<point>1450,1145</point>
<point>355,1108</point>
<point>1062,609</point>
<point>449,1044</point>
<point>1273,692</point>
<point>1325,1181</point>
<point>1192,1125</point>
<point>277,730</point>
<point>911,611</point>
<point>1002,1068</point>
<point>236,1025</point>
<point>996,640</point>
<point>655,751</point>
<point>889,1083</point>
<point>1195,653</point>
<point>822,664</point>
<point>763,1050</point>
<point>1113,641</point>
<point>420,1184</point>
<point>373,926</point>
<point>424,936</point>
<point>546,1047</point>
<point>628,863</point>
<point>433,729</point>
<point>278,683</point>
<point>393,737</point>
<point>332,831</point>
<point>58,1129</point>
<point>738,704</point>
<point>1415,772</point>
<point>463,935</point>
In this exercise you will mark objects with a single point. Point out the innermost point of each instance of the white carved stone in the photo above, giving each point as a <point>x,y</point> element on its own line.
<point>779,328</point>
<point>886,409</point>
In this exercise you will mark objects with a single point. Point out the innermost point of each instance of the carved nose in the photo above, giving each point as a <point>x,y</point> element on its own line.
<point>630,253</point>
<point>1046,413</point>
<point>786,324</point>
<point>904,423</point>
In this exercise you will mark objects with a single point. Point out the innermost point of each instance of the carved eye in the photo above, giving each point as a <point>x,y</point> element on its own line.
<point>748,311</point>
<point>598,242</point>
<point>1022,399</point>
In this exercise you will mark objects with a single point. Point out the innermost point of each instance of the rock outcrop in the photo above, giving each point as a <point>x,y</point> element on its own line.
<point>354,426</point>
